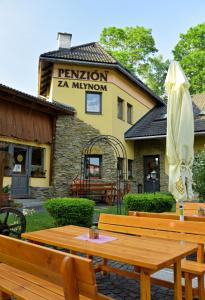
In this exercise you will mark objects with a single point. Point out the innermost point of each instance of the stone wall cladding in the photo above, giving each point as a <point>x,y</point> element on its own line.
<point>151,147</point>
<point>42,193</point>
<point>72,135</point>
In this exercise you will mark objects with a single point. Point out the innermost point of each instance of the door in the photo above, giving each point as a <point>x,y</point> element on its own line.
<point>20,178</point>
<point>151,174</point>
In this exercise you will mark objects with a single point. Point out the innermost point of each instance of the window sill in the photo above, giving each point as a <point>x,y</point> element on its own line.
<point>38,176</point>
<point>93,113</point>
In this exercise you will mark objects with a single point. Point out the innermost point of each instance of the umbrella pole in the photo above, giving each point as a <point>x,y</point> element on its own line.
<point>181,210</point>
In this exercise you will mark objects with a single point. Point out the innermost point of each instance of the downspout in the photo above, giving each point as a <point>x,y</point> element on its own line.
<point>52,150</point>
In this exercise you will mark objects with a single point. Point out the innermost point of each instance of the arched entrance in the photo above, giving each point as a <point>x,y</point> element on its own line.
<point>120,156</point>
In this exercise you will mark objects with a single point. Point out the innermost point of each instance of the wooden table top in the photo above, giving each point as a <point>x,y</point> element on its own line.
<point>150,253</point>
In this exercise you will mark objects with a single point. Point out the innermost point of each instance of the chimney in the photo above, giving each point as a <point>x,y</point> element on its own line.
<point>64,40</point>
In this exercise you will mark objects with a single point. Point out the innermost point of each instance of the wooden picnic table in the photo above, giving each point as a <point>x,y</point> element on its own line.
<point>147,255</point>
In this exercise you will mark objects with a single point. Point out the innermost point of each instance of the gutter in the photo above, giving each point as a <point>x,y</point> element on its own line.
<point>156,136</point>
<point>145,137</point>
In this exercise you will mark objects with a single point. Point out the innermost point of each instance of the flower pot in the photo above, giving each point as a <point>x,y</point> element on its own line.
<point>4,199</point>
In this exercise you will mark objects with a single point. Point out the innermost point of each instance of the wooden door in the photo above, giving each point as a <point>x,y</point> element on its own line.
<point>20,176</point>
<point>151,173</point>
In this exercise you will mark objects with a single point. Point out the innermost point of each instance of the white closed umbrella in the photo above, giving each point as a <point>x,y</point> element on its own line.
<point>180,133</point>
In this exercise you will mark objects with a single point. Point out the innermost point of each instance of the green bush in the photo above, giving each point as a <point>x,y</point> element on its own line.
<point>149,202</point>
<point>71,211</point>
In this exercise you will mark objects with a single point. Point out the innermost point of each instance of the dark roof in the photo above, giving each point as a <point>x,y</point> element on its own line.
<point>154,123</point>
<point>49,107</point>
<point>92,54</point>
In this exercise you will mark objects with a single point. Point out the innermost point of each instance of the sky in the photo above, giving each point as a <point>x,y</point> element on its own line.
<point>29,28</point>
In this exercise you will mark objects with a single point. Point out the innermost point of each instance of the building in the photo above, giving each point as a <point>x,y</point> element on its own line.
<point>106,96</point>
<point>27,132</point>
<point>149,135</point>
<point>84,93</point>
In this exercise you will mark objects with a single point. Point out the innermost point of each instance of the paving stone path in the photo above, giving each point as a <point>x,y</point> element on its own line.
<point>122,288</point>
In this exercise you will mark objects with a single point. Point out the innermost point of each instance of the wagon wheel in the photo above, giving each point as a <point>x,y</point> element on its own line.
<point>12,222</point>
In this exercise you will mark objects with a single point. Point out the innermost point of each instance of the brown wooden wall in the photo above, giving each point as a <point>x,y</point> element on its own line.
<point>25,123</point>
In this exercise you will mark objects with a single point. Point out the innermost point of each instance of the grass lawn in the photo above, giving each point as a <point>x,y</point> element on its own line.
<point>109,210</point>
<point>42,220</point>
<point>38,221</point>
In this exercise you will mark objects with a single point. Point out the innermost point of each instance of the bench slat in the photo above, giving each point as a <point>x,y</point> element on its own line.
<point>31,289</point>
<point>191,227</point>
<point>171,216</point>
<point>72,273</point>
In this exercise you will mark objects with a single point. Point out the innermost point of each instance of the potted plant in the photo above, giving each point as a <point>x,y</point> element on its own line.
<point>5,194</point>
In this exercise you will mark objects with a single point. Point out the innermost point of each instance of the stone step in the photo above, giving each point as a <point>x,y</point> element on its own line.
<point>36,204</point>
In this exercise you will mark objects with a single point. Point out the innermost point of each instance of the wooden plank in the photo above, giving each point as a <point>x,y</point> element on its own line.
<point>172,216</point>
<point>200,253</point>
<point>193,267</point>
<point>158,224</point>
<point>188,287</point>
<point>26,287</point>
<point>191,205</point>
<point>70,287</point>
<point>31,278</point>
<point>201,287</point>
<point>153,233</point>
<point>177,281</point>
<point>145,285</point>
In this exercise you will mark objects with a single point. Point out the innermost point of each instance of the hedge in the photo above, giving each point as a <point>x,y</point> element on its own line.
<point>149,202</point>
<point>71,211</point>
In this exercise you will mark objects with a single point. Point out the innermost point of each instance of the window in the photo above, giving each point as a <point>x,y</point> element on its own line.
<point>129,113</point>
<point>93,164</point>
<point>93,103</point>
<point>120,167</point>
<point>6,157</point>
<point>120,104</point>
<point>130,167</point>
<point>37,162</point>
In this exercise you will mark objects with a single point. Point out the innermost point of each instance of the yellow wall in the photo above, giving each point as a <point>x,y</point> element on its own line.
<point>33,182</point>
<point>117,86</point>
<point>199,142</point>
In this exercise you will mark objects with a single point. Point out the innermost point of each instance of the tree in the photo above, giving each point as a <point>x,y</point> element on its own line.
<point>154,74</point>
<point>132,46</point>
<point>190,52</point>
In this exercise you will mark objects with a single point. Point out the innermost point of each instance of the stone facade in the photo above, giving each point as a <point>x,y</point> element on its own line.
<point>72,135</point>
<point>146,148</point>
<point>41,192</point>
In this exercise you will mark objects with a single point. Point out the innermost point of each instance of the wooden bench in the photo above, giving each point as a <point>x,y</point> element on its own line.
<point>171,216</point>
<point>103,190</point>
<point>190,208</point>
<point>33,272</point>
<point>191,231</point>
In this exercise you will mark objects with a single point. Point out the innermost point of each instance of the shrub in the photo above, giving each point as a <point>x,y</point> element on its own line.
<point>71,211</point>
<point>149,202</point>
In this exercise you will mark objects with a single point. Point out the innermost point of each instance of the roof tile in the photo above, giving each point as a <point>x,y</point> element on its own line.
<point>92,52</point>
<point>154,122</point>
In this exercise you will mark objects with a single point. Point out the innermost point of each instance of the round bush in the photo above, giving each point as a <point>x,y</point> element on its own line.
<point>71,211</point>
<point>149,202</point>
